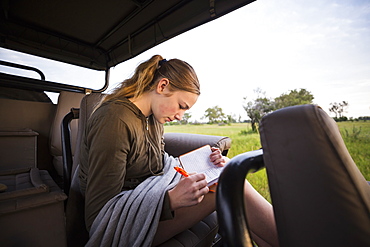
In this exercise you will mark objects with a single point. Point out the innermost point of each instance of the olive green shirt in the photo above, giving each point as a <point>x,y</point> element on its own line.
<point>120,149</point>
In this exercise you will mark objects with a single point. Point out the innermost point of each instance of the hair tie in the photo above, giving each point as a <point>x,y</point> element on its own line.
<point>160,63</point>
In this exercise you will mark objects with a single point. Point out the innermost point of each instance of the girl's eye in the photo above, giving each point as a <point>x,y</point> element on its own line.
<point>183,107</point>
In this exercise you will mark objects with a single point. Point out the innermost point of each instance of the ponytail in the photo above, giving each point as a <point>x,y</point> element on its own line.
<point>180,74</point>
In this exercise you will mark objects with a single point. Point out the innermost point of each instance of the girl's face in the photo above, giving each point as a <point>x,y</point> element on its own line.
<point>167,108</point>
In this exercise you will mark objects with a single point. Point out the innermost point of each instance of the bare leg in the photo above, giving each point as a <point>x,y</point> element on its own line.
<point>184,219</point>
<point>260,217</point>
<point>259,211</point>
<point>259,241</point>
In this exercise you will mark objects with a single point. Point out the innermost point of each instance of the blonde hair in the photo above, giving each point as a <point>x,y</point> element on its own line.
<point>180,74</point>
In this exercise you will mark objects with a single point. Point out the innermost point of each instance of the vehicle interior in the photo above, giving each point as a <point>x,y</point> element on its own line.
<point>40,200</point>
<point>41,204</point>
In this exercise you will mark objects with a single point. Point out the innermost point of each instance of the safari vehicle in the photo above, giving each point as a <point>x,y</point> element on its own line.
<point>37,206</point>
<point>326,204</point>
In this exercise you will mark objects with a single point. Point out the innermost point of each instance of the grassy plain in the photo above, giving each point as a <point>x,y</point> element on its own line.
<point>356,136</point>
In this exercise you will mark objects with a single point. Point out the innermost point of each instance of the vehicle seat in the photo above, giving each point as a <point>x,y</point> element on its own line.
<point>77,234</point>
<point>319,196</point>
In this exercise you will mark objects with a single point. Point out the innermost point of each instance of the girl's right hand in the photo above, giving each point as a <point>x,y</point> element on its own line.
<point>188,192</point>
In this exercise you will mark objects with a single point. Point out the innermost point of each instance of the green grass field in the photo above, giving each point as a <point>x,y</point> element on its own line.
<point>356,136</point>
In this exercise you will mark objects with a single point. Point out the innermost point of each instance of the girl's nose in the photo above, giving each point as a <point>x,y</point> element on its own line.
<point>178,116</point>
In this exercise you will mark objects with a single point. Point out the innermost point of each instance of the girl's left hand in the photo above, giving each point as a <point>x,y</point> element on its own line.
<point>217,158</point>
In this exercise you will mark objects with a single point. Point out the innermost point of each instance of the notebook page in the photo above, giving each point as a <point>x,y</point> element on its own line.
<point>197,160</point>
<point>212,174</point>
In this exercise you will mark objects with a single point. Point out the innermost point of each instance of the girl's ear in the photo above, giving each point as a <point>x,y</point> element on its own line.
<point>162,85</point>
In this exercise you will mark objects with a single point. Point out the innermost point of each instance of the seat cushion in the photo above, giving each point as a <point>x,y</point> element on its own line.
<point>202,234</point>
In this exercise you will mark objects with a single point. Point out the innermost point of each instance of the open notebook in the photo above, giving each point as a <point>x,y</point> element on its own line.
<point>198,161</point>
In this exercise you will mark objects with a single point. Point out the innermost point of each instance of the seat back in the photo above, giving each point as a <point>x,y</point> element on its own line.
<point>77,234</point>
<point>66,101</point>
<point>180,143</point>
<point>320,197</point>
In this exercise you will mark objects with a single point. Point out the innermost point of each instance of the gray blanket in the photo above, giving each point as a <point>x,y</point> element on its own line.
<point>131,218</point>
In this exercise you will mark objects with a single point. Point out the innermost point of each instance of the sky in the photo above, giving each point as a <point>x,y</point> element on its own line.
<point>322,46</point>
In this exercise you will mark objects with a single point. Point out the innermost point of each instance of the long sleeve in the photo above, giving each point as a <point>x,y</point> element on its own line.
<point>119,150</point>
<point>167,213</point>
<point>109,145</point>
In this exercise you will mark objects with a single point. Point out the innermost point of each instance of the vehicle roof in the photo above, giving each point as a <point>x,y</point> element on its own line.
<point>99,34</point>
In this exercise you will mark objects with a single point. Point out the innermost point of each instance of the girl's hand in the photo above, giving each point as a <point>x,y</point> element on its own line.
<point>217,158</point>
<point>188,192</point>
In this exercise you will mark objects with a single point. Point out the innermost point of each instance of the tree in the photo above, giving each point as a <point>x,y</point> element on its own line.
<point>262,105</point>
<point>258,108</point>
<point>231,119</point>
<point>338,109</point>
<point>185,118</point>
<point>294,97</point>
<point>214,115</point>
<point>342,108</point>
<point>334,108</point>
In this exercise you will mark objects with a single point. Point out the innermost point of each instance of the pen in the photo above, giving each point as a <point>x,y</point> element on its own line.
<point>181,171</point>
